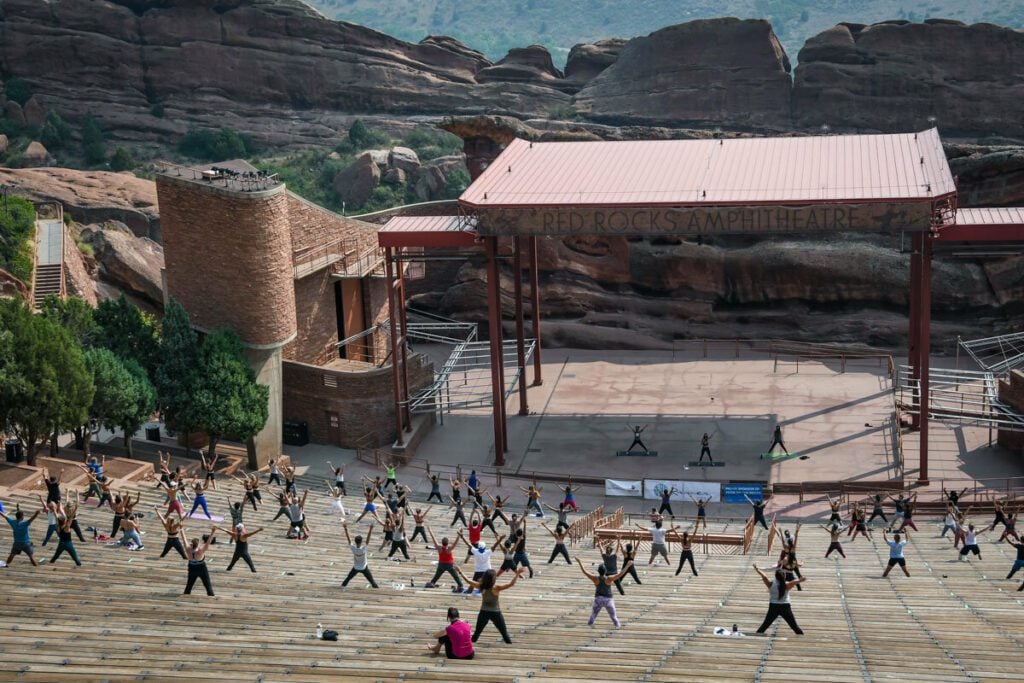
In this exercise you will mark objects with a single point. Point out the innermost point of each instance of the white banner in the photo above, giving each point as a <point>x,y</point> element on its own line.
<point>653,489</point>
<point>618,487</point>
<point>703,489</point>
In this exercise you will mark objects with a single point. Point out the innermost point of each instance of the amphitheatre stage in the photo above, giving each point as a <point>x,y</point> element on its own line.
<point>842,420</point>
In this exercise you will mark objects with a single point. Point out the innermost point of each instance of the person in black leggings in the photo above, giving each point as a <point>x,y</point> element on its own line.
<point>172,525</point>
<point>445,560</point>
<point>758,511</point>
<point>687,554</point>
<point>559,548</point>
<point>197,562</point>
<point>778,600</point>
<point>490,607</point>
<point>666,501</point>
<point>628,557</point>
<point>522,558</point>
<point>876,509</point>
<point>241,539</point>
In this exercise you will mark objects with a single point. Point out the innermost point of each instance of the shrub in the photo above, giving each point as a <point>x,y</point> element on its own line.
<point>212,145</point>
<point>432,144</point>
<point>94,146</point>
<point>55,132</point>
<point>121,160</point>
<point>18,89</point>
<point>361,137</point>
<point>157,110</point>
<point>456,183</point>
<point>17,228</point>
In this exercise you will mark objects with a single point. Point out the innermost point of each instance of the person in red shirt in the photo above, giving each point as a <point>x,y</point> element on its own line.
<point>445,561</point>
<point>456,638</point>
<point>476,529</point>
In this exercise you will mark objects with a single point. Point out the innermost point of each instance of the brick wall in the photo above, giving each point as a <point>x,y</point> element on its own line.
<point>316,317</point>
<point>363,400</point>
<point>1011,392</point>
<point>312,226</point>
<point>228,258</point>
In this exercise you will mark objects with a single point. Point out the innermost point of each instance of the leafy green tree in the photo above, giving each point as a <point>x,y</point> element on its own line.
<point>128,332</point>
<point>362,137</point>
<point>213,145</point>
<point>94,145</point>
<point>456,183</point>
<point>124,398</point>
<point>75,315</point>
<point>122,160</point>
<point>229,402</point>
<point>177,375</point>
<point>55,132</point>
<point>46,387</point>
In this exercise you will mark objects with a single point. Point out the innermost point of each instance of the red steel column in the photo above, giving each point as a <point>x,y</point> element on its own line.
<point>913,357</point>
<point>393,326</point>
<point>924,349</point>
<point>535,305</point>
<point>405,344</point>
<point>494,332</point>
<point>517,267</point>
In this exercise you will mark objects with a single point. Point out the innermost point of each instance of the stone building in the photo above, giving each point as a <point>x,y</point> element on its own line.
<point>293,280</point>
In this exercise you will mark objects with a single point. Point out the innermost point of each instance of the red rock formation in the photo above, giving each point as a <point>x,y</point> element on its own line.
<point>893,76</point>
<point>717,71</point>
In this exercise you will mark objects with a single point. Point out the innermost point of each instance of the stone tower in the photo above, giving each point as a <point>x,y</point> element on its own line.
<point>228,260</point>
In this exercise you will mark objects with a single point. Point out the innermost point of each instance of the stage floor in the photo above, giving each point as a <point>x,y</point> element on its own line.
<point>580,418</point>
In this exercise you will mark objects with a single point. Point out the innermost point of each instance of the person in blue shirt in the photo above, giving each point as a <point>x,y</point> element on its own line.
<point>22,542</point>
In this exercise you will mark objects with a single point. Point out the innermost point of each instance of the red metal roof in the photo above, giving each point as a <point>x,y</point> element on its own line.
<point>428,231</point>
<point>825,168</point>
<point>1010,215</point>
<point>985,225</point>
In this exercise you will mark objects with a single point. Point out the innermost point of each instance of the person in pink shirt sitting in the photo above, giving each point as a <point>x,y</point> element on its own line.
<point>456,638</point>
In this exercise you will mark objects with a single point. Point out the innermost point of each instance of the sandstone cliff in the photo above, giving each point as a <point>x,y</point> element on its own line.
<point>893,76</point>
<point>281,72</point>
<point>717,71</point>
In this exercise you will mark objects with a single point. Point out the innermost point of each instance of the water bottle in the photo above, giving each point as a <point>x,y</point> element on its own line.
<point>735,628</point>
<point>320,631</point>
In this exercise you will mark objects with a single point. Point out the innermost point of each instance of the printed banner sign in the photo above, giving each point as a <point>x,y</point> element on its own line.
<point>618,487</point>
<point>733,493</point>
<point>653,489</point>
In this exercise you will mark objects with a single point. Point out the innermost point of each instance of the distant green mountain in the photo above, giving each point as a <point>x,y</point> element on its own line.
<point>494,26</point>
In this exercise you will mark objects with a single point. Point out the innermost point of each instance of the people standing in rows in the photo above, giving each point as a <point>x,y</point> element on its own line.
<point>779,588</point>
<point>835,533</point>
<point>435,489</point>
<point>876,509</point>
<point>196,554</point>
<point>339,477</point>
<point>758,511</point>
<point>686,554</point>
<point>533,499</point>
<point>208,466</point>
<point>172,525</point>
<point>490,605</point>
<point>360,564</point>
<point>560,547</point>
<point>702,511</point>
<point>445,560</point>
<point>666,501</point>
<point>241,537</point>
<point>971,543</point>
<point>603,591</point>
<point>896,546</point>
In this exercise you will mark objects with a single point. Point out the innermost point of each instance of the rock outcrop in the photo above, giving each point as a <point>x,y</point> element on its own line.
<point>587,60</point>
<point>356,183</point>
<point>11,287</point>
<point>526,65</point>
<point>708,72</point>
<point>130,263</point>
<point>35,154</point>
<point>91,196</point>
<point>897,76</point>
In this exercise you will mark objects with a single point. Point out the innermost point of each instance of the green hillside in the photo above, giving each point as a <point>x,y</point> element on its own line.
<point>493,26</point>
